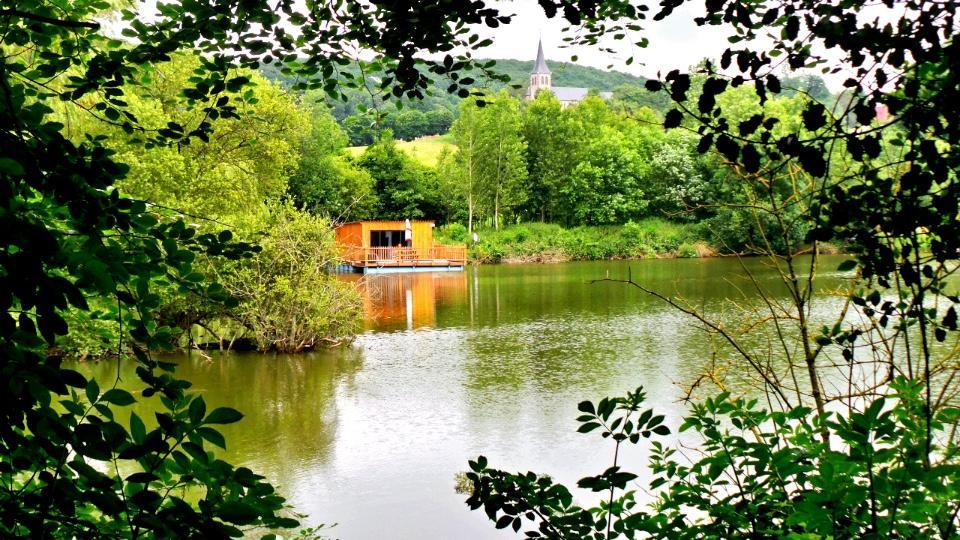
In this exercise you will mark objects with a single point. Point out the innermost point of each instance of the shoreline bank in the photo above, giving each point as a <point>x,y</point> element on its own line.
<point>545,243</point>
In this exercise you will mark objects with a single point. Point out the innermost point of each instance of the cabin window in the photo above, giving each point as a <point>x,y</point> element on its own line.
<point>386,238</point>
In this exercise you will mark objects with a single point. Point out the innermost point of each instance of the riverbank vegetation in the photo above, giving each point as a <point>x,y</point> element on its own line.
<point>550,242</point>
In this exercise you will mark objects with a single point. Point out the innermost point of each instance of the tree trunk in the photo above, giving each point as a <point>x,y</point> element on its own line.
<point>496,196</point>
<point>470,214</point>
<point>470,192</point>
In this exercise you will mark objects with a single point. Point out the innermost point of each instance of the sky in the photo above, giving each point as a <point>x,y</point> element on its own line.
<point>676,43</point>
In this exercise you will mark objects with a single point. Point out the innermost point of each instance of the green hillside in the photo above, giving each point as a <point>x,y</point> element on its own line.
<point>567,74</point>
<point>564,74</point>
<point>410,124</point>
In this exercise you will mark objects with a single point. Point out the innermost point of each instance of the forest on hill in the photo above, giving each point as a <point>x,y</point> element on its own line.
<point>365,113</point>
<point>568,74</point>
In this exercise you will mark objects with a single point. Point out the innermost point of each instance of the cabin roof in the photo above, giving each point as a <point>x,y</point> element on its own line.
<point>379,221</point>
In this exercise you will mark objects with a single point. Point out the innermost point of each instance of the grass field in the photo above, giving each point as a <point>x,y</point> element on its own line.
<point>426,150</point>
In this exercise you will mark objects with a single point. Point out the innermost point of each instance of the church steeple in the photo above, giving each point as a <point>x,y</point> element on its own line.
<point>540,78</point>
<point>540,66</point>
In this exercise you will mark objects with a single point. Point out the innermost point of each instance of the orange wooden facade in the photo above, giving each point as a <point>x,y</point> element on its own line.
<point>354,239</point>
<point>357,233</point>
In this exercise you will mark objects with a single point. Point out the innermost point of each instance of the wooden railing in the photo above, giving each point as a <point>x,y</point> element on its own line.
<point>405,256</point>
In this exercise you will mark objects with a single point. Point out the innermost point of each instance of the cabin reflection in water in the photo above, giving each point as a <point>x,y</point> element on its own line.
<point>407,301</point>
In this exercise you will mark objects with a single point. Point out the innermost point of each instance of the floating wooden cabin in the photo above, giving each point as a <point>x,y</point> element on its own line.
<point>387,246</point>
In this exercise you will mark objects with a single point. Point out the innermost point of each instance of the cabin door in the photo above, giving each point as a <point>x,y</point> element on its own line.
<point>386,238</point>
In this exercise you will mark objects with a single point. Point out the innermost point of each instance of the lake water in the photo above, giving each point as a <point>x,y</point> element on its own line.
<point>492,361</point>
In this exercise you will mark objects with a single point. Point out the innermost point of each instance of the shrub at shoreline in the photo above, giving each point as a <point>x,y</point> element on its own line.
<point>551,243</point>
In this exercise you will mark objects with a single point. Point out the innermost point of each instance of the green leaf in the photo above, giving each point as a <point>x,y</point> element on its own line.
<point>479,465</point>
<point>237,512</point>
<point>672,119</point>
<point>118,397</point>
<point>92,391</point>
<point>588,427</point>
<point>223,415</point>
<point>847,265</point>
<point>138,431</point>
<point>73,378</point>
<point>198,408</point>
<point>142,478</point>
<point>212,436</point>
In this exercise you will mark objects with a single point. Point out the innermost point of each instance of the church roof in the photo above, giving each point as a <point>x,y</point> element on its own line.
<point>540,66</point>
<point>575,93</point>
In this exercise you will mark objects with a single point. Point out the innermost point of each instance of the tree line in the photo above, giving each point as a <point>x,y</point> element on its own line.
<point>364,113</point>
<point>599,162</point>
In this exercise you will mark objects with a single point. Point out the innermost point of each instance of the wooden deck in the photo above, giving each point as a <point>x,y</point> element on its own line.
<point>404,257</point>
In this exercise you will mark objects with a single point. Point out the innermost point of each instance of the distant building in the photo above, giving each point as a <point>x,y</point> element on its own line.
<point>542,79</point>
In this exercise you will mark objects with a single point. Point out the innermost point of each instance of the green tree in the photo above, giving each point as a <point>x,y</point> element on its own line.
<point>229,175</point>
<point>461,173</point>
<point>439,121</point>
<point>673,182</point>
<point>360,129</point>
<point>451,188</point>
<point>551,153</point>
<point>604,187</point>
<point>757,217</point>
<point>809,84</point>
<point>502,167</point>
<point>603,183</point>
<point>326,181</point>
<point>288,299</point>
<point>408,124</point>
<point>404,188</point>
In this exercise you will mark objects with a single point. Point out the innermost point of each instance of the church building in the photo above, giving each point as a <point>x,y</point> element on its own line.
<point>541,79</point>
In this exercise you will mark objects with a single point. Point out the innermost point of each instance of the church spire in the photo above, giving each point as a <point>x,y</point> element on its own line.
<point>540,66</point>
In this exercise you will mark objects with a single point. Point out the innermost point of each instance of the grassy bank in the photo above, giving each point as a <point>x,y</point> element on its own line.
<point>544,242</point>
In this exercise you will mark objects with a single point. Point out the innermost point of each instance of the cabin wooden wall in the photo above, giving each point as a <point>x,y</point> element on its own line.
<point>358,232</point>
<point>351,234</point>
<point>422,233</point>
